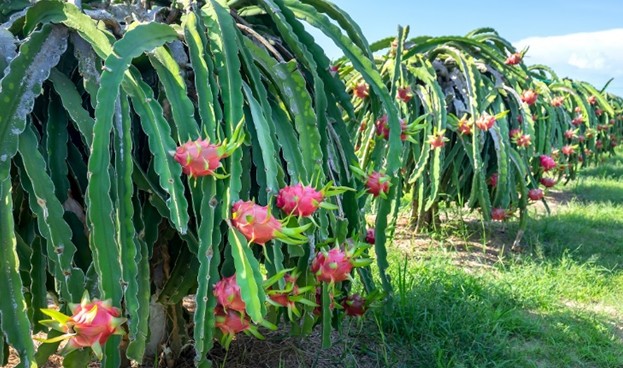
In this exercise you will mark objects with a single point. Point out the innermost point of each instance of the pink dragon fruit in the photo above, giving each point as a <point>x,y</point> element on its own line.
<point>354,305</point>
<point>557,101</point>
<point>570,134</point>
<point>334,70</point>
<point>581,138</point>
<point>90,325</point>
<point>567,150</point>
<point>499,214</point>
<point>404,94</point>
<point>535,194</point>
<point>592,100</point>
<point>230,321</point>
<point>529,96</point>
<point>255,222</point>
<point>523,141</point>
<point>361,90</point>
<point>513,59</point>
<point>382,128</point>
<point>299,200</point>
<point>485,122</point>
<point>227,293</point>
<point>377,184</point>
<point>515,134</point>
<point>370,236</point>
<point>199,158</point>
<point>577,121</point>
<point>599,144</point>
<point>465,126</point>
<point>437,140</point>
<point>493,180</point>
<point>547,163</point>
<point>331,266</point>
<point>547,182</point>
<point>599,112</point>
<point>282,298</point>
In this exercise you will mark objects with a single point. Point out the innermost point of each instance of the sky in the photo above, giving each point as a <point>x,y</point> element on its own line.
<point>578,39</point>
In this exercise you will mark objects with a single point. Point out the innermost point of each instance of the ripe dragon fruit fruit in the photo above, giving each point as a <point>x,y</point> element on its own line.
<point>465,126</point>
<point>334,70</point>
<point>547,163</point>
<point>437,140</point>
<point>259,226</point>
<point>535,194</point>
<point>370,236</point>
<point>493,180</point>
<point>255,222</point>
<point>592,100</point>
<point>377,184</point>
<point>361,90</point>
<point>515,134</point>
<point>523,141</point>
<point>567,150</point>
<point>201,158</point>
<point>227,293</point>
<point>382,128</point>
<point>529,96</point>
<point>230,321</point>
<point>499,214</point>
<point>577,121</point>
<point>485,122</point>
<point>354,305</point>
<point>570,134</point>
<point>282,297</point>
<point>299,200</point>
<point>557,101</point>
<point>513,59</point>
<point>599,144</point>
<point>404,94</point>
<point>90,325</point>
<point>599,112</point>
<point>547,182</point>
<point>332,266</point>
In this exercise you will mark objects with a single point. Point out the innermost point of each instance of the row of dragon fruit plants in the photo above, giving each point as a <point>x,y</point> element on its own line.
<point>480,127</point>
<point>214,150</point>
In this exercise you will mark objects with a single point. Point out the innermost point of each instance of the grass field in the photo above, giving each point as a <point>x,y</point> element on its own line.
<point>557,304</point>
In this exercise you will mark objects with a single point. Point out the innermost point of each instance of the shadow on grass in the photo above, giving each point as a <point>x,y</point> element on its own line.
<point>445,317</point>
<point>585,235</point>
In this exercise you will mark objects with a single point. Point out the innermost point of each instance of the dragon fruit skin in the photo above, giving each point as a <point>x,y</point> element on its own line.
<point>255,222</point>
<point>199,158</point>
<point>354,305</point>
<point>331,266</point>
<point>299,200</point>
<point>227,293</point>
<point>377,183</point>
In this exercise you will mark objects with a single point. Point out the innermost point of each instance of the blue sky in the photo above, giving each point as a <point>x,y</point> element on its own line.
<point>579,39</point>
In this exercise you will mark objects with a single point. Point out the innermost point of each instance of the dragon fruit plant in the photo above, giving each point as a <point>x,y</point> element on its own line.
<point>478,89</point>
<point>143,159</point>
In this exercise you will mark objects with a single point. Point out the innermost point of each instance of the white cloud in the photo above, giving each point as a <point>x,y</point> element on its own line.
<point>591,56</point>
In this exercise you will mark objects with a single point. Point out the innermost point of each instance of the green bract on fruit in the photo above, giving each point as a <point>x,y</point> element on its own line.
<point>91,324</point>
